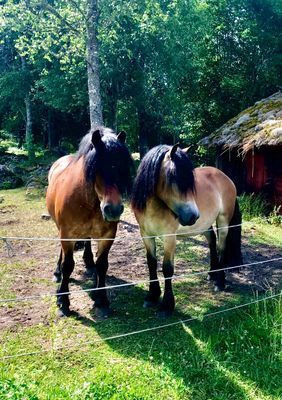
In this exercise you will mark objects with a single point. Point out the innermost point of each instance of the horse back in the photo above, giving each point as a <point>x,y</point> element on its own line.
<point>215,191</point>
<point>66,191</point>
<point>59,166</point>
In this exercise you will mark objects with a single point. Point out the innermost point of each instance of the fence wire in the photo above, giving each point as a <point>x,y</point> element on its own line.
<point>136,332</point>
<point>139,282</point>
<point>117,238</point>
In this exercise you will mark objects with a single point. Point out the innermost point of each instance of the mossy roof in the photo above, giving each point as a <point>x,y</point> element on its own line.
<point>256,126</point>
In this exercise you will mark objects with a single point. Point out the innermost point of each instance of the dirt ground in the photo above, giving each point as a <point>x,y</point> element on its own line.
<point>35,263</point>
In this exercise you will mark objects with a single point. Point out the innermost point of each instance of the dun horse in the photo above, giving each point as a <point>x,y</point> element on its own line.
<point>169,197</point>
<point>84,198</point>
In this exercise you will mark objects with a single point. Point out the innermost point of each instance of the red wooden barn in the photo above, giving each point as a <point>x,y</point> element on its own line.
<point>249,148</point>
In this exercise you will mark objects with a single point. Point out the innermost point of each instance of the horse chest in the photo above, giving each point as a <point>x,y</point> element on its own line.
<point>157,221</point>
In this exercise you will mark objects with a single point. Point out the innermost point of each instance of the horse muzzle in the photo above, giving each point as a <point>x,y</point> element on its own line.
<point>187,215</point>
<point>111,212</point>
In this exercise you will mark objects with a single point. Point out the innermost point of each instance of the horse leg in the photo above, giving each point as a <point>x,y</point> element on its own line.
<point>152,298</point>
<point>89,260</point>
<point>168,303</point>
<point>100,296</point>
<point>221,248</point>
<point>67,267</point>
<point>79,245</point>
<point>211,238</point>
<point>57,276</point>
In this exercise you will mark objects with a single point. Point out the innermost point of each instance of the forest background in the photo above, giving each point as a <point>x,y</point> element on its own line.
<point>164,71</point>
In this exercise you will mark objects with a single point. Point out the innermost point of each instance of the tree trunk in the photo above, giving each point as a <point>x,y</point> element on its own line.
<point>28,124</point>
<point>28,128</point>
<point>95,104</point>
<point>28,119</point>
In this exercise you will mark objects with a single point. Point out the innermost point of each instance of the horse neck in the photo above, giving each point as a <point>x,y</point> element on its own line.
<point>91,193</point>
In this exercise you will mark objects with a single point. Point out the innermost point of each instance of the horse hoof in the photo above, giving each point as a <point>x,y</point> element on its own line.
<point>103,312</point>
<point>57,278</point>
<point>63,312</point>
<point>150,303</point>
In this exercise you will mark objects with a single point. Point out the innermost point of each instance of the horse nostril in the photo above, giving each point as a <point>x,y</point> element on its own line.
<point>112,212</point>
<point>107,209</point>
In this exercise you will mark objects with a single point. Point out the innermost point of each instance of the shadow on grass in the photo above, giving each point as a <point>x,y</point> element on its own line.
<point>209,356</point>
<point>260,277</point>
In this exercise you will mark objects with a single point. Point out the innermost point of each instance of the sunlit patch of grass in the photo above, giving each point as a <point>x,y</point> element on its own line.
<point>26,211</point>
<point>264,233</point>
<point>191,249</point>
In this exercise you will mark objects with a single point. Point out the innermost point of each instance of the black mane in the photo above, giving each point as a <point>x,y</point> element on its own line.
<point>181,174</point>
<point>111,159</point>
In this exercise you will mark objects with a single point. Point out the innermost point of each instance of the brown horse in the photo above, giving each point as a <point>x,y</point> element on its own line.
<point>84,198</point>
<point>171,197</point>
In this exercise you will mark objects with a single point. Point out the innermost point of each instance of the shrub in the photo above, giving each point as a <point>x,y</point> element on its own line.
<point>275,217</point>
<point>253,206</point>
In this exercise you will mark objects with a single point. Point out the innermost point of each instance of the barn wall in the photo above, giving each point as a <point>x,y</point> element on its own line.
<point>256,171</point>
<point>260,171</point>
<point>274,170</point>
<point>231,164</point>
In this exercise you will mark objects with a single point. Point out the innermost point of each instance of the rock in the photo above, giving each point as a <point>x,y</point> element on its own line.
<point>8,178</point>
<point>37,179</point>
<point>258,128</point>
<point>277,132</point>
<point>244,118</point>
<point>45,216</point>
<point>269,115</point>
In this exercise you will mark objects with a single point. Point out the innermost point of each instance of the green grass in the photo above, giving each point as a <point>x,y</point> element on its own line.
<point>231,356</point>
<point>265,234</point>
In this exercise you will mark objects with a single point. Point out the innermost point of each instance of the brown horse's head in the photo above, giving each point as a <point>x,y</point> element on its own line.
<point>108,167</point>
<point>167,173</point>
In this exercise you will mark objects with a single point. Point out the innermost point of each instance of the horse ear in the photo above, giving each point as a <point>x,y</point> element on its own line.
<point>96,137</point>
<point>186,150</point>
<point>173,150</point>
<point>121,136</point>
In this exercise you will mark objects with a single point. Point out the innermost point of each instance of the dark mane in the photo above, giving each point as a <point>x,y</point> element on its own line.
<point>111,159</point>
<point>181,174</point>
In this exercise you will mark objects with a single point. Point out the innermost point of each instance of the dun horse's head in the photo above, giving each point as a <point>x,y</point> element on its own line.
<point>176,185</point>
<point>108,166</point>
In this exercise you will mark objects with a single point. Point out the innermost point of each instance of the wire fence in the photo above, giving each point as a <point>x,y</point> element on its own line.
<point>191,232</point>
<point>136,332</point>
<point>139,282</point>
<point>8,239</point>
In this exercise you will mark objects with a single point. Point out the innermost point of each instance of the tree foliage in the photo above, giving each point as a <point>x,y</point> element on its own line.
<point>169,70</point>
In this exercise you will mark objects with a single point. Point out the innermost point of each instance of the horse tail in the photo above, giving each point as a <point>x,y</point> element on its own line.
<point>233,239</point>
